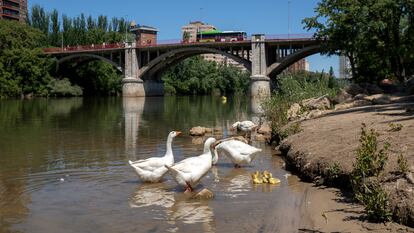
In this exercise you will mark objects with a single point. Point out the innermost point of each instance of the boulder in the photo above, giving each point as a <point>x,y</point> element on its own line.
<point>342,97</point>
<point>314,114</point>
<point>197,131</point>
<point>372,89</point>
<point>209,130</point>
<point>264,129</point>
<point>356,103</point>
<point>360,97</point>
<point>379,99</point>
<point>204,194</point>
<point>354,89</point>
<point>320,103</point>
<point>293,111</point>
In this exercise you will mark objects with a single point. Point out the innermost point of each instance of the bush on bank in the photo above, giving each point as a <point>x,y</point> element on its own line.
<point>292,88</point>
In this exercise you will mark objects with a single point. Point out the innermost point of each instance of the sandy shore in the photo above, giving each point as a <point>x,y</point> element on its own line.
<point>333,139</point>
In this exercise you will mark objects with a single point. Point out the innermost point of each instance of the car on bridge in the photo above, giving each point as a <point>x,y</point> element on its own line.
<point>221,36</point>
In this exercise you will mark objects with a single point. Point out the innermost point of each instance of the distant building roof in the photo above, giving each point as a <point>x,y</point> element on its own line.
<point>143,27</point>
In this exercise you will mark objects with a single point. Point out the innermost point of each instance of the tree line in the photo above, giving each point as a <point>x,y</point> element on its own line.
<point>79,30</point>
<point>376,35</point>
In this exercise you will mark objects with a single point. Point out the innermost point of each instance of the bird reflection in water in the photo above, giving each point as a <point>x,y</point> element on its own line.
<point>152,195</point>
<point>189,211</point>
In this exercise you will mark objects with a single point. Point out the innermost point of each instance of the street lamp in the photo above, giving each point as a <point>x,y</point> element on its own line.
<point>289,19</point>
<point>62,39</point>
<point>126,28</point>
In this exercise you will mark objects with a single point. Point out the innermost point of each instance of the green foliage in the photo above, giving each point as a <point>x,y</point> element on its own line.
<point>97,77</point>
<point>402,164</point>
<point>376,35</point>
<point>376,203</point>
<point>370,161</point>
<point>333,171</point>
<point>23,68</point>
<point>293,88</point>
<point>63,88</point>
<point>79,30</point>
<point>195,76</point>
<point>369,164</point>
<point>395,127</point>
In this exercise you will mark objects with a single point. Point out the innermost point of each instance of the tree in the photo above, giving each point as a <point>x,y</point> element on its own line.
<point>376,35</point>
<point>24,69</point>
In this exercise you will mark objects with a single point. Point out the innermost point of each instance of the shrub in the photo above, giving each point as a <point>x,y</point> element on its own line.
<point>369,164</point>
<point>402,164</point>
<point>63,88</point>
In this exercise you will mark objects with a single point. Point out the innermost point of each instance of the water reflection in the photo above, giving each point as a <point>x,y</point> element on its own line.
<point>152,195</point>
<point>133,109</point>
<point>192,212</point>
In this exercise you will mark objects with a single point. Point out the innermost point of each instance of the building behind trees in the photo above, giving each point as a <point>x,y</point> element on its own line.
<point>13,10</point>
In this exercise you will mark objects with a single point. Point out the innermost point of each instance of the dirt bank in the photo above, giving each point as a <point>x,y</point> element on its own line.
<point>333,139</point>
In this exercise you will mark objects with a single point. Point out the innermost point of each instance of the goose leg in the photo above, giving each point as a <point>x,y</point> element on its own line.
<point>189,188</point>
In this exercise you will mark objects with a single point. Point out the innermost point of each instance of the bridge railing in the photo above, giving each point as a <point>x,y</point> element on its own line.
<point>104,46</point>
<point>296,36</point>
<point>80,48</point>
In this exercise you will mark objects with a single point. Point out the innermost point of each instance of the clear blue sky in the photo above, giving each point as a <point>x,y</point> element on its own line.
<point>268,16</point>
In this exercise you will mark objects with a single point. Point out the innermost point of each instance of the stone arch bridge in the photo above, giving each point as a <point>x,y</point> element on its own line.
<point>142,65</point>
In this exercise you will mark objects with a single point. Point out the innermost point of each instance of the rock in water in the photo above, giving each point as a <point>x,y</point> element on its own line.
<point>204,194</point>
<point>197,131</point>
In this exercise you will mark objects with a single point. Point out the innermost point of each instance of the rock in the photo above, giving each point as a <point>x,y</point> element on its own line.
<point>218,130</point>
<point>356,103</point>
<point>409,86</point>
<point>264,129</point>
<point>354,89</point>
<point>372,89</point>
<point>293,111</point>
<point>260,138</point>
<point>360,97</point>
<point>209,130</point>
<point>314,114</point>
<point>197,131</point>
<point>379,99</point>
<point>321,103</point>
<point>204,194</point>
<point>342,97</point>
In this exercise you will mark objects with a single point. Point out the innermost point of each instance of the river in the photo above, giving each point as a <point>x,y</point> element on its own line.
<point>63,168</point>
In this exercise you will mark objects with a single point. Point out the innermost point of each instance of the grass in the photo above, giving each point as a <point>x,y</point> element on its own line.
<point>293,88</point>
<point>402,164</point>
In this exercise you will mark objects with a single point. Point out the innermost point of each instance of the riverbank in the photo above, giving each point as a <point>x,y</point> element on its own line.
<point>331,140</point>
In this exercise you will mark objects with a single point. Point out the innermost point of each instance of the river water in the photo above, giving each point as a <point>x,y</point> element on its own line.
<point>63,168</point>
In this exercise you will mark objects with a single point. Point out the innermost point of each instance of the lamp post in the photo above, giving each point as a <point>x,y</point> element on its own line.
<point>126,28</point>
<point>289,19</point>
<point>62,39</point>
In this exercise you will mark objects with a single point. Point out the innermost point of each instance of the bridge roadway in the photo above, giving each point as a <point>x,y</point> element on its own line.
<point>142,65</point>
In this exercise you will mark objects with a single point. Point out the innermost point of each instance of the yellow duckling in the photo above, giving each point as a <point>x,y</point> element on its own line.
<point>266,174</point>
<point>257,180</point>
<point>224,99</point>
<point>273,180</point>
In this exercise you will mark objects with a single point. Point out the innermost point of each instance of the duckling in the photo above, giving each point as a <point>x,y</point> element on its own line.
<point>265,180</point>
<point>257,180</point>
<point>266,174</point>
<point>273,180</point>
<point>224,99</point>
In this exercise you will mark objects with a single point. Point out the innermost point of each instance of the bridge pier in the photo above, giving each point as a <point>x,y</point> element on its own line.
<point>259,82</point>
<point>132,86</point>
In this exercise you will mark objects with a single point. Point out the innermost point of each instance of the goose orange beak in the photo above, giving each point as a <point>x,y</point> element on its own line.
<point>178,133</point>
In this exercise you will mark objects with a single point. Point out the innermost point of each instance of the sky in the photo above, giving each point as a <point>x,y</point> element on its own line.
<point>260,16</point>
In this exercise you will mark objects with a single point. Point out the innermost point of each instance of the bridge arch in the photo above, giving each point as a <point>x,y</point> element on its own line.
<point>177,55</point>
<point>277,67</point>
<point>88,55</point>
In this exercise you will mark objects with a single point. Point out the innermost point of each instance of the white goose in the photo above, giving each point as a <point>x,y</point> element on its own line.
<point>188,172</point>
<point>238,152</point>
<point>245,126</point>
<point>153,169</point>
